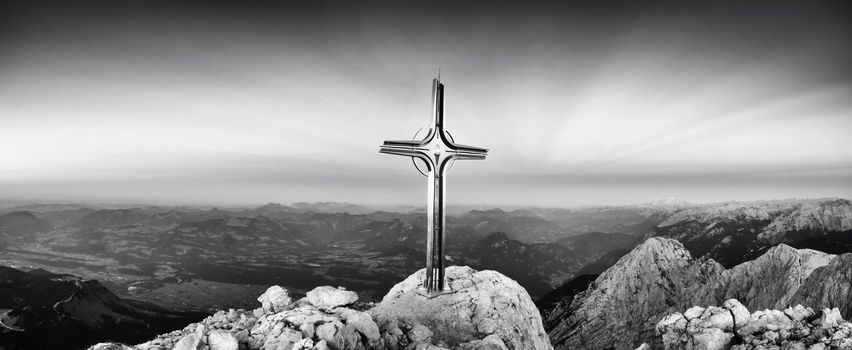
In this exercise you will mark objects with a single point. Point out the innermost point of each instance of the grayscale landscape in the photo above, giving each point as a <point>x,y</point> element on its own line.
<point>433,175</point>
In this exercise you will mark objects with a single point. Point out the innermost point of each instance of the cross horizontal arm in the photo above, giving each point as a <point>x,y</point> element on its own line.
<point>404,151</point>
<point>468,149</point>
<point>469,156</point>
<point>402,143</point>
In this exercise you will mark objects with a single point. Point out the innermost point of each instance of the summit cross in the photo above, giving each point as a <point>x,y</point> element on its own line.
<point>436,152</point>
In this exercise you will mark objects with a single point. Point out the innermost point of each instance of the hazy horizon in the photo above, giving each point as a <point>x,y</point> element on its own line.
<point>454,207</point>
<point>580,104</point>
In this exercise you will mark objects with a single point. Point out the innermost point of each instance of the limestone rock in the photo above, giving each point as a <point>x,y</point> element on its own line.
<point>304,344</point>
<point>392,336</point>
<point>767,320</point>
<point>488,312</point>
<point>221,340</point>
<point>693,312</point>
<point>326,331</point>
<point>491,342</point>
<point>110,346</point>
<point>307,330</point>
<point>419,334</point>
<point>363,323</point>
<point>328,298</point>
<point>483,303</point>
<point>738,311</point>
<point>711,339</point>
<point>275,299</point>
<point>286,339</point>
<point>321,345</point>
<point>188,342</point>
<point>347,337</point>
<point>716,317</point>
<point>711,329</point>
<point>830,318</point>
<point>307,315</point>
<point>793,329</point>
<point>798,313</point>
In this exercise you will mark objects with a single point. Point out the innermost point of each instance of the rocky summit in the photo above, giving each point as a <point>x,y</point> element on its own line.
<point>732,327</point>
<point>482,304</point>
<point>486,311</point>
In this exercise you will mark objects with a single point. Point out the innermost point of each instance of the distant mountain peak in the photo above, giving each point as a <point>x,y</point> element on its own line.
<point>22,223</point>
<point>272,207</point>
<point>670,202</point>
<point>622,303</point>
<point>659,248</point>
<point>332,207</point>
<point>20,213</point>
<point>782,250</point>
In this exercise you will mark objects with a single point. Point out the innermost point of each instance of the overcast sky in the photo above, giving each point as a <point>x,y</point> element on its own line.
<point>157,102</point>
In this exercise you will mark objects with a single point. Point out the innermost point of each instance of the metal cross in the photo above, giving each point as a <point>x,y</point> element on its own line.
<point>437,151</point>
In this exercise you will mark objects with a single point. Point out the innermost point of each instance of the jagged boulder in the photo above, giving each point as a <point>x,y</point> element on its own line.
<point>275,299</point>
<point>328,298</point>
<point>794,328</point>
<point>483,303</point>
<point>222,340</point>
<point>698,328</point>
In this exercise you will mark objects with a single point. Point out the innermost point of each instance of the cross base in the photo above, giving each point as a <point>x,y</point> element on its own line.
<point>435,293</point>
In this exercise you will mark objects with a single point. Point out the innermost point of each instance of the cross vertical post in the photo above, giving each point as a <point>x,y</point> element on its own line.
<point>437,151</point>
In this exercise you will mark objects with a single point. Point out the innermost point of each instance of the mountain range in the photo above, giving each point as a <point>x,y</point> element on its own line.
<point>602,276</point>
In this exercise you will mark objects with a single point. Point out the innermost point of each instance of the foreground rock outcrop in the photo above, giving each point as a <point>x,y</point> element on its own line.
<point>487,311</point>
<point>483,304</point>
<point>732,327</point>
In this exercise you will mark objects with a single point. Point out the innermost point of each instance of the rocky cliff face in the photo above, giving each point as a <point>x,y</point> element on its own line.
<point>486,311</point>
<point>771,280</point>
<point>622,306</point>
<point>828,286</point>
